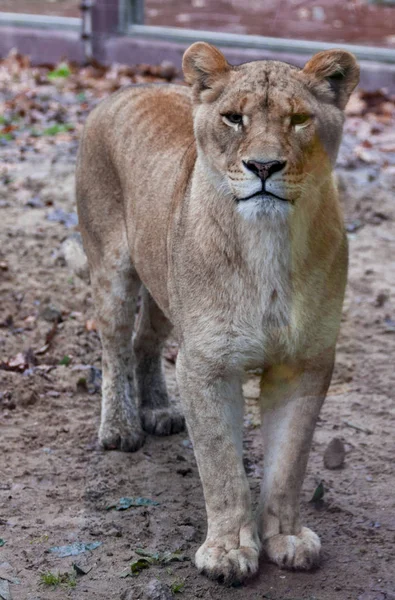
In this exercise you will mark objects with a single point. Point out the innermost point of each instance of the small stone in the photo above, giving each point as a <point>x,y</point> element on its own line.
<point>27,398</point>
<point>35,202</point>
<point>381,299</point>
<point>167,70</point>
<point>156,590</point>
<point>188,532</point>
<point>51,314</point>
<point>113,532</point>
<point>334,454</point>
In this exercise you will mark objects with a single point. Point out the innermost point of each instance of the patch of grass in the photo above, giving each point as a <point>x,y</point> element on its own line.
<point>66,360</point>
<point>40,540</point>
<point>50,579</point>
<point>61,72</point>
<point>177,586</point>
<point>55,579</point>
<point>58,128</point>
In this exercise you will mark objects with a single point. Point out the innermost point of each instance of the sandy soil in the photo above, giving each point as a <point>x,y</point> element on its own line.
<point>55,483</point>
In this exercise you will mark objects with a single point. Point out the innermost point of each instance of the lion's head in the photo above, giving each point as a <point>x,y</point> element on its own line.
<point>268,131</point>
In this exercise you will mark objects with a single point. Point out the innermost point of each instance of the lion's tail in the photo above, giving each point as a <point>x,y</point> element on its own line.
<point>75,256</point>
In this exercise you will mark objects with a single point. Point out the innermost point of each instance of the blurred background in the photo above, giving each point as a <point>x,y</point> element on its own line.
<point>354,21</point>
<point>133,31</point>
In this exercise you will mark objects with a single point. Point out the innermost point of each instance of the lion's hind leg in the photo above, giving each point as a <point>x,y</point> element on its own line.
<point>115,287</point>
<point>157,415</point>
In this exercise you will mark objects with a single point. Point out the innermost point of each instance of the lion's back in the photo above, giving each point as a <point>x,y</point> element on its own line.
<point>152,119</point>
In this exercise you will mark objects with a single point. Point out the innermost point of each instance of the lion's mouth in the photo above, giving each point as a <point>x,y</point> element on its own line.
<point>262,193</point>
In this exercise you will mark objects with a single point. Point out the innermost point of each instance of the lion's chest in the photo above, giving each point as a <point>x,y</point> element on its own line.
<point>257,315</point>
<point>266,316</point>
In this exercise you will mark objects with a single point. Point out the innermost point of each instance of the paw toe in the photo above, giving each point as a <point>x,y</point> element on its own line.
<point>298,552</point>
<point>227,566</point>
<point>119,439</point>
<point>162,421</point>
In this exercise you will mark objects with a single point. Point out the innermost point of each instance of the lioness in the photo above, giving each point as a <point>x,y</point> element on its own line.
<point>218,202</point>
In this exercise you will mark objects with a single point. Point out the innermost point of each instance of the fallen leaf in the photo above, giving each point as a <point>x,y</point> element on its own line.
<point>74,549</point>
<point>90,325</point>
<point>42,350</point>
<point>18,363</point>
<point>61,216</point>
<point>390,325</point>
<point>139,565</point>
<point>5,593</point>
<point>125,503</point>
<point>51,333</point>
<point>318,493</point>
<point>357,427</point>
<point>161,557</point>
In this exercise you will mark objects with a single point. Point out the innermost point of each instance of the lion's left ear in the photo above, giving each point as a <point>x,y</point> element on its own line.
<point>336,68</point>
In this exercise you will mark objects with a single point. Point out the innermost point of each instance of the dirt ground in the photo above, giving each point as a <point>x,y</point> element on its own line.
<point>55,482</point>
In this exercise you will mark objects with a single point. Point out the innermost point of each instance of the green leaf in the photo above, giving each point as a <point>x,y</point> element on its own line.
<point>58,128</point>
<point>139,565</point>
<point>66,360</point>
<point>125,503</point>
<point>318,492</point>
<point>2,542</point>
<point>62,71</point>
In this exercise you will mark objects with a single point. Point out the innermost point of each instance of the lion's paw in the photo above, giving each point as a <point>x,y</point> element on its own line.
<point>228,565</point>
<point>299,552</point>
<point>121,437</point>
<point>162,421</point>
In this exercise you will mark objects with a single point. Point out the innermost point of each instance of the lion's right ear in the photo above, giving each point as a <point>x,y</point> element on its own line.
<point>203,66</point>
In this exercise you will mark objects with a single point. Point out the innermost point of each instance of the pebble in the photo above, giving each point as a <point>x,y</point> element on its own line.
<point>334,454</point>
<point>51,314</point>
<point>156,590</point>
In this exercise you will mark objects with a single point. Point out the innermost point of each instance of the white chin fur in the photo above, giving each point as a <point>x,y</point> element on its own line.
<point>257,208</point>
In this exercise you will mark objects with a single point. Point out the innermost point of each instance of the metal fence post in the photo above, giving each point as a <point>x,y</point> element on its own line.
<point>137,12</point>
<point>105,23</point>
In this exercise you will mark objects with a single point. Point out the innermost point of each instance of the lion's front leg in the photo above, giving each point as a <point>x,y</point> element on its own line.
<point>213,407</point>
<point>291,401</point>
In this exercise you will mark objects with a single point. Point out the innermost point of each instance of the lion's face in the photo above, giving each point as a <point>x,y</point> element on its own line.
<point>267,131</point>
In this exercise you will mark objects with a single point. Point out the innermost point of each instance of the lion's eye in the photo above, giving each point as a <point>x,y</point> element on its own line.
<point>300,119</point>
<point>233,118</point>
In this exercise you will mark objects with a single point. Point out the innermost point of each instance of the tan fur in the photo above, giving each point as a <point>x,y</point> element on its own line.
<point>162,189</point>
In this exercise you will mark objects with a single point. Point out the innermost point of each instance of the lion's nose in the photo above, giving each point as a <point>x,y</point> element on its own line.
<point>265,169</point>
